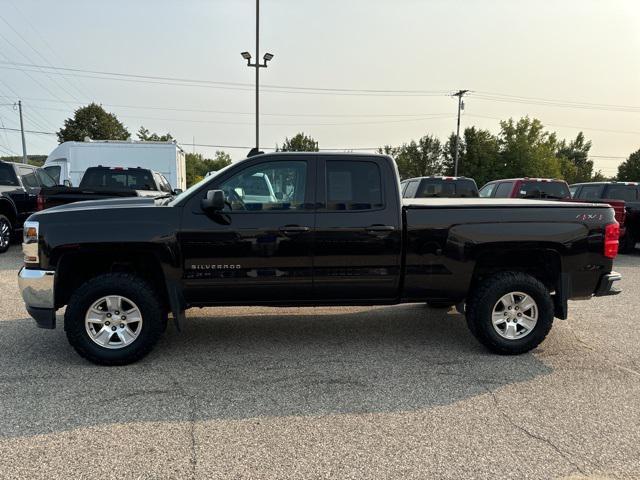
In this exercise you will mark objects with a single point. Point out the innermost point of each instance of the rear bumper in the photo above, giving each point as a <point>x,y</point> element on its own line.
<point>36,287</point>
<point>606,285</point>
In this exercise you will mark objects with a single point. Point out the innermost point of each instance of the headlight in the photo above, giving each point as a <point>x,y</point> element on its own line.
<point>30,242</point>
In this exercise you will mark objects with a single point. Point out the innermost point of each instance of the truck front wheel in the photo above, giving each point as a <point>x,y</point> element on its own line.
<point>510,313</point>
<point>114,319</point>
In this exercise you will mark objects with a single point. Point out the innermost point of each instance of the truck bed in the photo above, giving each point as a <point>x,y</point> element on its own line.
<point>417,203</point>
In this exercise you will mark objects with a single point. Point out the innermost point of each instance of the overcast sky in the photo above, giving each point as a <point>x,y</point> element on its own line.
<point>572,52</point>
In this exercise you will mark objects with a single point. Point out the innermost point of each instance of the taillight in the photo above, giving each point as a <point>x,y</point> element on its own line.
<point>611,237</point>
<point>40,202</point>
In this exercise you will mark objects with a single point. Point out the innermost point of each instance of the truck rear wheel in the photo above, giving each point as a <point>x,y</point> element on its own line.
<point>114,319</point>
<point>510,313</point>
<point>6,233</point>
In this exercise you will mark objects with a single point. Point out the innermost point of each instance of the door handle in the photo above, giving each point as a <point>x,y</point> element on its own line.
<point>292,229</point>
<point>380,228</point>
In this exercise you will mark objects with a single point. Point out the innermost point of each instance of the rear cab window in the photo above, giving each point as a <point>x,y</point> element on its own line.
<point>487,190</point>
<point>8,175</point>
<point>412,188</point>
<point>54,172</point>
<point>28,176</point>
<point>118,178</point>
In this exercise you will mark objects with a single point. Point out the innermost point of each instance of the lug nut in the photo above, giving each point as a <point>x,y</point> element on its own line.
<point>107,323</point>
<point>123,317</point>
<point>117,312</point>
<point>509,307</point>
<point>108,315</point>
<point>113,328</point>
<point>519,314</point>
<point>122,325</point>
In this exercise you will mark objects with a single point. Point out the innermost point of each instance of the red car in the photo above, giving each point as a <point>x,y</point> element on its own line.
<point>544,188</point>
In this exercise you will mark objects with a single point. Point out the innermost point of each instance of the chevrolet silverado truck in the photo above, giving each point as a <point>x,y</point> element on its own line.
<point>309,229</point>
<point>107,182</point>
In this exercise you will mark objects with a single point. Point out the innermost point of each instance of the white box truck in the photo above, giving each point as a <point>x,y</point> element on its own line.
<point>68,161</point>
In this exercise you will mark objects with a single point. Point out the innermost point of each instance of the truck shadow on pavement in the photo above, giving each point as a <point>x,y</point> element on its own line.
<point>248,363</point>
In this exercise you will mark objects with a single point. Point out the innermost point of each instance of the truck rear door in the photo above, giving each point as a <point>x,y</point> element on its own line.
<point>358,230</point>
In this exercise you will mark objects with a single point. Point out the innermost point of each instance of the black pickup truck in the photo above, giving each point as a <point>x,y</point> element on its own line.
<point>107,182</point>
<point>19,186</point>
<point>294,229</point>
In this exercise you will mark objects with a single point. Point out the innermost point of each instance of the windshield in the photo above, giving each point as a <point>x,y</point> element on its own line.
<point>7,175</point>
<point>555,190</point>
<point>189,191</point>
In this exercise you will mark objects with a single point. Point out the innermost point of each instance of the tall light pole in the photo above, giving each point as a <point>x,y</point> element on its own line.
<point>459,94</point>
<point>24,144</point>
<point>257,65</point>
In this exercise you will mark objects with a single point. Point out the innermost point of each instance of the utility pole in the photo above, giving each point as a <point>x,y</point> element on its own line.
<point>459,94</point>
<point>258,66</point>
<point>24,145</point>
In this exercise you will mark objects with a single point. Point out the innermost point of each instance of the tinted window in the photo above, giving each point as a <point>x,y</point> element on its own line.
<point>487,190</point>
<point>44,179</point>
<point>267,187</point>
<point>504,190</point>
<point>135,179</point>
<point>553,190</point>
<point>572,191</point>
<point>29,178</point>
<point>54,172</point>
<point>353,185</point>
<point>590,192</point>
<point>622,192</point>
<point>7,175</point>
<point>446,188</point>
<point>411,190</point>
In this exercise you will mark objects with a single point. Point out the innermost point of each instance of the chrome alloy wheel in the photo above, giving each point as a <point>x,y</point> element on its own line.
<point>113,322</point>
<point>515,315</point>
<point>5,233</point>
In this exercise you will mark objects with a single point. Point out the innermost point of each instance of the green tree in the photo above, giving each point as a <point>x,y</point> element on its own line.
<point>421,158</point>
<point>479,156</point>
<point>198,166</point>
<point>629,170</point>
<point>527,150</point>
<point>37,160</point>
<point>298,143</point>
<point>574,159</point>
<point>145,135</point>
<point>94,122</point>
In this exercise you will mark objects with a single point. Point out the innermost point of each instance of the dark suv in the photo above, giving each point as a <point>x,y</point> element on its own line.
<point>19,188</point>
<point>439,187</point>
<point>534,188</point>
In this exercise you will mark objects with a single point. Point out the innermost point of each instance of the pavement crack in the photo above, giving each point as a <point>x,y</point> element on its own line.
<point>534,436</point>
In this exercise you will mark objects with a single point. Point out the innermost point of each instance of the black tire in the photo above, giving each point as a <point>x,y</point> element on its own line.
<point>627,243</point>
<point>440,305</point>
<point>5,235</point>
<point>485,296</point>
<point>126,285</point>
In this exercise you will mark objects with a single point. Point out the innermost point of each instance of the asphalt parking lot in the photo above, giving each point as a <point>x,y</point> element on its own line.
<point>376,392</point>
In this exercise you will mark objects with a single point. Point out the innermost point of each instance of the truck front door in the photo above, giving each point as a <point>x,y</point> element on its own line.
<point>358,230</point>
<point>260,248</point>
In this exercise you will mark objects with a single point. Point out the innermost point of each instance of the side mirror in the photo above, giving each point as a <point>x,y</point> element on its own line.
<point>213,202</point>
<point>67,183</point>
<point>279,195</point>
<point>177,191</point>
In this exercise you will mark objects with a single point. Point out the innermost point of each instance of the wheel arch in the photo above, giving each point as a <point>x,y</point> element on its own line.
<point>8,209</point>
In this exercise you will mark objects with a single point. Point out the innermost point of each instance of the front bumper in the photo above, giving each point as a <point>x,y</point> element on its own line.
<point>36,287</point>
<point>605,287</point>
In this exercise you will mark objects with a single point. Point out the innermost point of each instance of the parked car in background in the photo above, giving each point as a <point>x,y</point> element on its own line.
<point>67,163</point>
<point>330,229</point>
<point>625,193</point>
<point>439,187</point>
<point>19,186</point>
<point>107,182</point>
<point>534,188</point>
